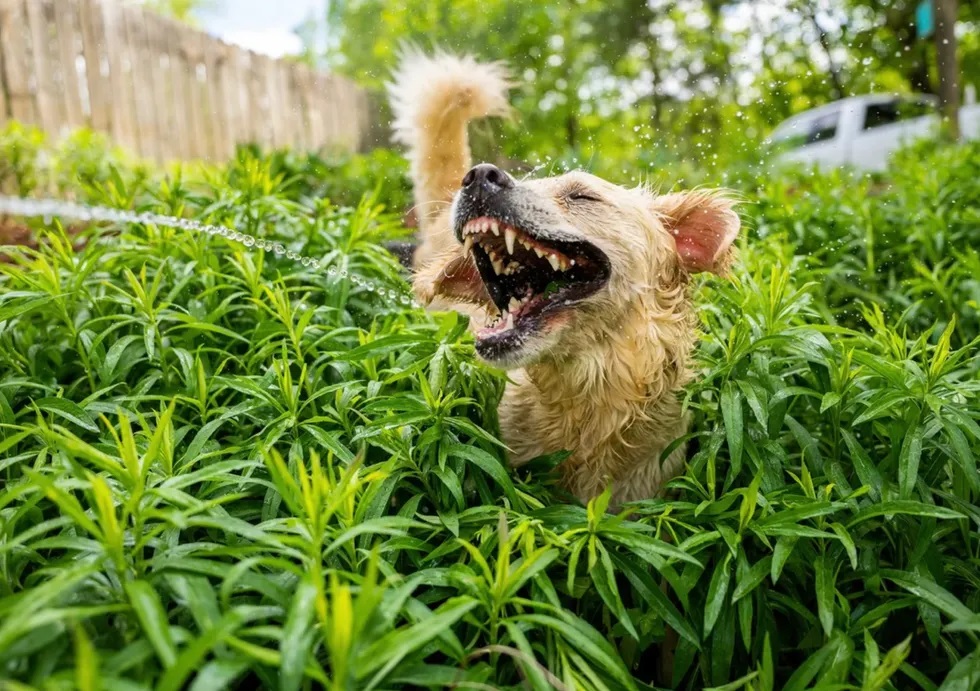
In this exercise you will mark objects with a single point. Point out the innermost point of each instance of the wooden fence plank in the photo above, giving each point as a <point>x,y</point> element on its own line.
<point>96,83</point>
<point>171,87</point>
<point>259,125</point>
<point>4,104</point>
<point>139,57</point>
<point>206,99</point>
<point>68,42</point>
<point>157,83</point>
<point>182,68</point>
<point>44,87</point>
<point>267,85</point>
<point>119,97</point>
<point>213,59</point>
<point>311,108</point>
<point>7,29</point>
<point>18,65</point>
<point>246,107</point>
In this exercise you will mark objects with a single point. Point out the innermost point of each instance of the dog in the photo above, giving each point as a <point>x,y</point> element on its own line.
<point>577,286</point>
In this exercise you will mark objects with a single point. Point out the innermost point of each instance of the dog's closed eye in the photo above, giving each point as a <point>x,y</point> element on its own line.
<point>581,194</point>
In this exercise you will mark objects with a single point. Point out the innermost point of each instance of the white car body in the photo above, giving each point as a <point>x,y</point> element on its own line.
<point>863,131</point>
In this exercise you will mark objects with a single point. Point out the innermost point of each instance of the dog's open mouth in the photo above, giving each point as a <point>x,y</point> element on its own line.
<point>529,278</point>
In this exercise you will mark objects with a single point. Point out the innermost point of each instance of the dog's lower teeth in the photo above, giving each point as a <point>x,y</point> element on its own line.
<point>498,266</point>
<point>514,305</point>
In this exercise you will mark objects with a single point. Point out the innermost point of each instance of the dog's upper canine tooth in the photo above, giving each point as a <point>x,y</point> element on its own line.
<point>510,235</point>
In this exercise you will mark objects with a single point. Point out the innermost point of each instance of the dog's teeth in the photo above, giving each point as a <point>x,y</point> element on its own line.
<point>553,260</point>
<point>527,245</point>
<point>509,321</point>
<point>513,305</point>
<point>494,228</point>
<point>468,244</point>
<point>510,235</point>
<point>498,266</point>
<point>538,251</point>
<point>563,264</point>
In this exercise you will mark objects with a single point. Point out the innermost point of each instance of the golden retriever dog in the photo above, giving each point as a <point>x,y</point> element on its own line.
<point>577,286</point>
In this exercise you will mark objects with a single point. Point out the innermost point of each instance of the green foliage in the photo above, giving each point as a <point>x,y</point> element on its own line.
<point>655,83</point>
<point>221,470</point>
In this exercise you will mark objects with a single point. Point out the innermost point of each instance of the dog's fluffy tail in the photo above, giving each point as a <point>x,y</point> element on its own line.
<point>434,98</point>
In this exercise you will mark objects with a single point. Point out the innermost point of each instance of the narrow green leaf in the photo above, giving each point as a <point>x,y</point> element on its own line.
<point>930,592</point>
<point>153,619</point>
<point>731,411</point>
<point>297,636</point>
<point>717,590</point>
<point>825,577</point>
<point>908,462</point>
<point>67,410</point>
<point>756,574</point>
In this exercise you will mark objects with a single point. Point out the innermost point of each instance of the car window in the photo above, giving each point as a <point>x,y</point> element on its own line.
<point>819,129</point>
<point>823,128</point>
<point>890,112</point>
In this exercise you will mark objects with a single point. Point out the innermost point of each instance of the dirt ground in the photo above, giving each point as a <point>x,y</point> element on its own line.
<point>14,232</point>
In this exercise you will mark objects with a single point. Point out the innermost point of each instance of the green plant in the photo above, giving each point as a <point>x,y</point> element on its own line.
<point>219,469</point>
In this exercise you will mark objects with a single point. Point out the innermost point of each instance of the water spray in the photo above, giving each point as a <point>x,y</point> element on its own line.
<point>50,208</point>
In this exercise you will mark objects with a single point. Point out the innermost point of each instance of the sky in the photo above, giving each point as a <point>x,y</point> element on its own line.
<point>264,26</point>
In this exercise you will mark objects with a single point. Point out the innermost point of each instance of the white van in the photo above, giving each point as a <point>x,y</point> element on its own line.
<point>863,131</point>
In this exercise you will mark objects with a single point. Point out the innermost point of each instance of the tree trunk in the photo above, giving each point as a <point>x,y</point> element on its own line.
<point>949,87</point>
<point>835,76</point>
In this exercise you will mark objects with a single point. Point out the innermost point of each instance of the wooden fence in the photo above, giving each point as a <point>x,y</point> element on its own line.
<point>161,89</point>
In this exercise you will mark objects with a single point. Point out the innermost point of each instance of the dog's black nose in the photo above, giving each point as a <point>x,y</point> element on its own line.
<point>486,179</point>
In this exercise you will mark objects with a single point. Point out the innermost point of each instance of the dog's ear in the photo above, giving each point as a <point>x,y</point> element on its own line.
<point>703,224</point>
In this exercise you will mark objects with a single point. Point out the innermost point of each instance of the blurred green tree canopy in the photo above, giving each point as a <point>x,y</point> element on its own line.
<point>657,81</point>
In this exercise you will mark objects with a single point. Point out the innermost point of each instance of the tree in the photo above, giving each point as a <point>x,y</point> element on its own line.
<point>949,73</point>
<point>181,10</point>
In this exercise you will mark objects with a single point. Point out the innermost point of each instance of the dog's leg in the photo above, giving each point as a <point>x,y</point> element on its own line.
<point>434,98</point>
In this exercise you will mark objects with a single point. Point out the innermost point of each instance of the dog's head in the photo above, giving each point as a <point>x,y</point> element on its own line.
<point>558,259</point>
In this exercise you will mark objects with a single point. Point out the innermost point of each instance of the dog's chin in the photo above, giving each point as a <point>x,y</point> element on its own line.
<point>522,344</point>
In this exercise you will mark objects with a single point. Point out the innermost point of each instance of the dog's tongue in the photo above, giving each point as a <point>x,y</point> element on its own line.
<point>460,280</point>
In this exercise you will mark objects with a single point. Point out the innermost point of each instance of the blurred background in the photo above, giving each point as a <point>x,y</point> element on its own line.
<point>624,87</point>
<point>703,81</point>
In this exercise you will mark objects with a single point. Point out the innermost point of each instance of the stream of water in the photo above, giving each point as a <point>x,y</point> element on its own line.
<point>51,208</point>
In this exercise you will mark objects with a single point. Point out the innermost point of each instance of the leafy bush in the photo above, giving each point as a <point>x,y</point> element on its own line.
<point>221,469</point>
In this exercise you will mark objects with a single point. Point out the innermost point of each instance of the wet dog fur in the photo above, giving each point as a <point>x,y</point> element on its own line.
<point>598,375</point>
